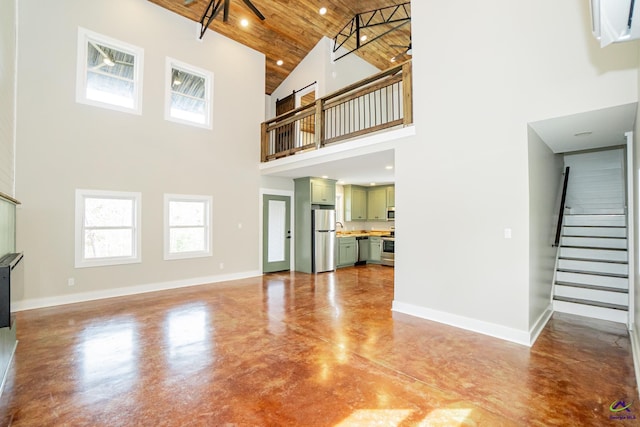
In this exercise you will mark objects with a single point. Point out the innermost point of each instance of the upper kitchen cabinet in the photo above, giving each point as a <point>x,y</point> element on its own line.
<point>391,196</point>
<point>355,203</point>
<point>323,191</point>
<point>377,204</point>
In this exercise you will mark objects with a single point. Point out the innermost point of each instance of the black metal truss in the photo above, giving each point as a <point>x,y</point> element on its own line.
<point>213,9</point>
<point>210,13</point>
<point>399,14</point>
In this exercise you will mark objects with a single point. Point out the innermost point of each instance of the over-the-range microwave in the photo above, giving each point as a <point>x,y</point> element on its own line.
<point>391,214</point>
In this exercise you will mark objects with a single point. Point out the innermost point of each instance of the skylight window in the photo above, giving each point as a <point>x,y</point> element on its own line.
<point>109,73</point>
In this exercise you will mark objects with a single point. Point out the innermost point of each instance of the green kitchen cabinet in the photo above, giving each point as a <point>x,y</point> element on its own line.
<point>347,251</point>
<point>355,203</point>
<point>377,204</point>
<point>375,249</point>
<point>391,196</point>
<point>323,191</point>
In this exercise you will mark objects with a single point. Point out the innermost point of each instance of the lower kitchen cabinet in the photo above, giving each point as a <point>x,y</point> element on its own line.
<point>375,249</point>
<point>347,251</point>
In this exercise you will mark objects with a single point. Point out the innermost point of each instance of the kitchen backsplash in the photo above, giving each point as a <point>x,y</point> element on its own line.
<point>368,225</point>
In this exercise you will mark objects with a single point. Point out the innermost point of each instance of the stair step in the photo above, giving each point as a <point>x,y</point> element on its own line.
<point>592,279</point>
<point>591,303</point>
<point>613,315</point>
<point>594,287</point>
<point>595,296</point>
<point>595,242</point>
<point>596,219</point>
<point>594,230</point>
<point>606,261</point>
<point>594,273</point>
<point>593,266</point>
<point>609,255</point>
<point>597,238</point>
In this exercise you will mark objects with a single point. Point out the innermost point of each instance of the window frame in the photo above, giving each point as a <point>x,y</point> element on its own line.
<point>207,251</point>
<point>136,235</point>
<point>172,63</point>
<point>84,37</point>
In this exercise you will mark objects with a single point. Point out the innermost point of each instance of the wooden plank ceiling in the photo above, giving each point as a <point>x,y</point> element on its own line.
<point>293,27</point>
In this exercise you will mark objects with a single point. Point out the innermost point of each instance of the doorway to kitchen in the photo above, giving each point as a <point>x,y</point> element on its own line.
<point>276,233</point>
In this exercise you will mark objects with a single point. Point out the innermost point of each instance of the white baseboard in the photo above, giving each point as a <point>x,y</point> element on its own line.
<point>30,304</point>
<point>497,331</point>
<point>537,328</point>
<point>635,351</point>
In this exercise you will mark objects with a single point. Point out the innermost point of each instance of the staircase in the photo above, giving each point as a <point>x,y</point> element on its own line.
<point>592,272</point>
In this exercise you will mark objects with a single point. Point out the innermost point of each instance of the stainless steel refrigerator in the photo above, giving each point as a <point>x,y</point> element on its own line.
<point>323,226</point>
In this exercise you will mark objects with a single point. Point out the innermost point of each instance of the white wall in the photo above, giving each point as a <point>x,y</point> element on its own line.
<point>7,95</point>
<point>346,70</point>
<point>545,182</point>
<point>318,67</point>
<point>277,183</point>
<point>636,236</point>
<point>62,146</point>
<point>464,178</point>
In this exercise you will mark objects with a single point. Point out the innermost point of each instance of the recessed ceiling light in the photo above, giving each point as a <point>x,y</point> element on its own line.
<point>322,11</point>
<point>280,62</point>
<point>388,167</point>
<point>363,38</point>
<point>325,176</point>
<point>244,22</point>
<point>583,133</point>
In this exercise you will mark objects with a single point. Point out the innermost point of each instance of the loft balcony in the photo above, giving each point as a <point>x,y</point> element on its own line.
<point>379,102</point>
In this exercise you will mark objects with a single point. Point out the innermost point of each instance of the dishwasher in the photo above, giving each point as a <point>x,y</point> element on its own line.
<point>363,249</point>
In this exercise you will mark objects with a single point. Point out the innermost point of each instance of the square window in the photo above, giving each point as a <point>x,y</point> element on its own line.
<point>187,223</point>
<point>188,94</point>
<point>107,228</point>
<point>109,73</point>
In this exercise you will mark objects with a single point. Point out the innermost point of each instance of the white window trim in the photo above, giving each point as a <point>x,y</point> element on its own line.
<point>171,63</point>
<point>81,195</point>
<point>84,36</point>
<point>209,234</point>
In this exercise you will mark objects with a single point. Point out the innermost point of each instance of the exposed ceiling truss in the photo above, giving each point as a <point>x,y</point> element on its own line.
<point>213,10</point>
<point>292,29</point>
<point>377,23</point>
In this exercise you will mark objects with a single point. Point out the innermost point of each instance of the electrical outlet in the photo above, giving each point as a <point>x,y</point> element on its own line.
<point>222,266</point>
<point>71,281</point>
<point>239,225</point>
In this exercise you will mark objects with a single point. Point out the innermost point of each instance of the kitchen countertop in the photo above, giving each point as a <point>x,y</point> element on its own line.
<point>363,233</point>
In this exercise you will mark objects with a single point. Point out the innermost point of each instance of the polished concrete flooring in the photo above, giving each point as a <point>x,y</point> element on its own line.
<point>292,349</point>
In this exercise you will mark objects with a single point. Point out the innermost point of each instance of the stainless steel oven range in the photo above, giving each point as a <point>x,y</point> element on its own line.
<point>388,249</point>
